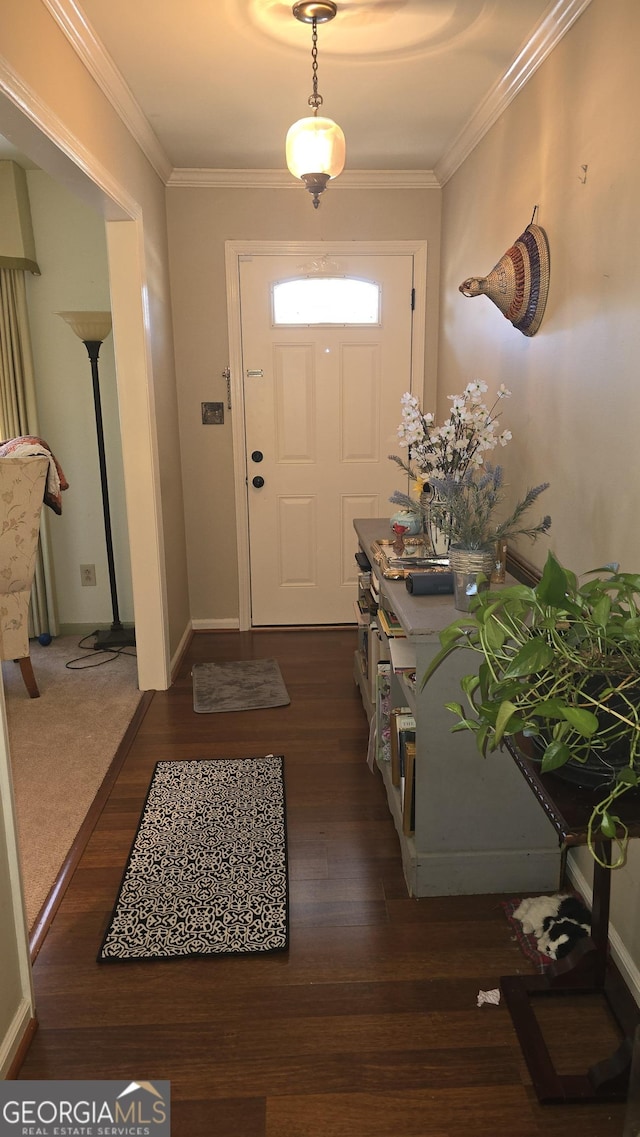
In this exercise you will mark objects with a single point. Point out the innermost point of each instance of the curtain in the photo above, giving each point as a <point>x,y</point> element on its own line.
<point>18,416</point>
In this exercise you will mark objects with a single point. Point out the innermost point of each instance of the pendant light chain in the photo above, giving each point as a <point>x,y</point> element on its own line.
<point>315,100</point>
<point>315,145</point>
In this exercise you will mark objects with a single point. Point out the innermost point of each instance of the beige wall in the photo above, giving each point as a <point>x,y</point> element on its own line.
<point>72,107</point>
<point>72,257</point>
<point>200,221</point>
<point>39,69</point>
<point>576,397</point>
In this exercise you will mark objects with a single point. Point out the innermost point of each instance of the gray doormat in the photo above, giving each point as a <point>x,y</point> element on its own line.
<point>207,873</point>
<point>243,685</point>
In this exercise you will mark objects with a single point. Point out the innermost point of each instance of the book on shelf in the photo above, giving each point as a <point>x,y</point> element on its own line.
<point>362,610</point>
<point>363,561</point>
<point>383,708</point>
<point>366,600</point>
<point>390,623</point>
<point>409,790</point>
<point>373,739</point>
<point>403,730</point>
<point>363,648</point>
<point>403,654</point>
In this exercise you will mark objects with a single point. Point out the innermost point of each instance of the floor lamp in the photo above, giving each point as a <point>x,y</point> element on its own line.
<point>92,328</point>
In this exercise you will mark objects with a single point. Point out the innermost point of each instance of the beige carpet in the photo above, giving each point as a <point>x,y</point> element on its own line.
<point>61,747</point>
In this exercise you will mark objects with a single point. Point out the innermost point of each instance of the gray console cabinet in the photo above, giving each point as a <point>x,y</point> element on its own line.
<point>478,827</point>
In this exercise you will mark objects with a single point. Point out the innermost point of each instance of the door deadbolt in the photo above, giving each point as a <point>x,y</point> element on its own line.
<point>257,456</point>
<point>258,482</point>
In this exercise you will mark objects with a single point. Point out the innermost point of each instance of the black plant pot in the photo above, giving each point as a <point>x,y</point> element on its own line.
<point>601,767</point>
<point>596,771</point>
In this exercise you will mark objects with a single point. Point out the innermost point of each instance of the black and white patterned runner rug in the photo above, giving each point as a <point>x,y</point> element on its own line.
<point>207,873</point>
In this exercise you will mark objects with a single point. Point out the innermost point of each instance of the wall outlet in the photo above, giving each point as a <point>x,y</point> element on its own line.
<point>88,576</point>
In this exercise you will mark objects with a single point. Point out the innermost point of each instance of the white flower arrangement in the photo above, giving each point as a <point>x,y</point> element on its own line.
<point>449,451</point>
<point>460,444</point>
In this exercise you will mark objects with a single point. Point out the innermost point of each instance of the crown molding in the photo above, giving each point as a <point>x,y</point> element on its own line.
<point>558,19</point>
<point>553,26</point>
<point>101,67</point>
<point>282,179</point>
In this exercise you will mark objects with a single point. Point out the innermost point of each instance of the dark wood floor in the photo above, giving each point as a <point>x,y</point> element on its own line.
<point>369,1025</point>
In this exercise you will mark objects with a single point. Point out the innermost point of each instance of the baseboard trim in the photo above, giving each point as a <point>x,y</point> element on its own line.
<point>17,1041</point>
<point>45,916</point>
<point>180,652</point>
<point>82,630</point>
<point>619,952</point>
<point>229,624</point>
<point>476,872</point>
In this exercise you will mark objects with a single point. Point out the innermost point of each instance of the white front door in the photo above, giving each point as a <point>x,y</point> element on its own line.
<point>322,406</point>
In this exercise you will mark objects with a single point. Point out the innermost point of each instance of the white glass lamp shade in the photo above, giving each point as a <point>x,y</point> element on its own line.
<point>89,326</point>
<point>315,146</point>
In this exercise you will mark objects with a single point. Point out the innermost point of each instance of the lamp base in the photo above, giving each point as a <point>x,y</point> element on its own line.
<point>115,637</point>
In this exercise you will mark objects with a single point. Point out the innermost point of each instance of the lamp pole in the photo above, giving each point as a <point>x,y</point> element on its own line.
<point>117,635</point>
<point>92,328</point>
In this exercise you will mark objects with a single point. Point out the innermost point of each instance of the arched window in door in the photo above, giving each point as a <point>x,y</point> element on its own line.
<point>337,300</point>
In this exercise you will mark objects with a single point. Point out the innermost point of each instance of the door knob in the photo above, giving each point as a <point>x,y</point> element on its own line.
<point>257,456</point>
<point>258,482</point>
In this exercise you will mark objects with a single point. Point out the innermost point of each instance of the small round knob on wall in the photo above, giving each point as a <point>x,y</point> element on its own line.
<point>257,456</point>
<point>258,482</point>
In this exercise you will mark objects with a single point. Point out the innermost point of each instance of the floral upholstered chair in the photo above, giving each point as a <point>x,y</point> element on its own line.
<point>22,486</point>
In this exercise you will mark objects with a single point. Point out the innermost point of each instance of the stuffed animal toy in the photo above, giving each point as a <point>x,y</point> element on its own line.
<point>557,922</point>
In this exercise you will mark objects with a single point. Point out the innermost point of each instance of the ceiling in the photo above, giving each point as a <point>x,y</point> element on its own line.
<point>215,84</point>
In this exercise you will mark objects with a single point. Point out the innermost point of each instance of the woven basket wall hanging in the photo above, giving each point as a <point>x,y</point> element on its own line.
<point>519,283</point>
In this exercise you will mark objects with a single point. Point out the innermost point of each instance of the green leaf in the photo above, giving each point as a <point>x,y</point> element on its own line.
<point>466,724</point>
<point>455,708</point>
<point>519,592</point>
<point>585,722</point>
<point>469,684</point>
<point>556,754</point>
<point>452,637</point>
<point>609,824</point>
<point>487,610</point>
<point>506,689</point>
<point>601,611</point>
<point>495,635</point>
<point>506,597</point>
<point>627,776</point>
<point>488,712</point>
<point>484,675</point>
<point>458,630</point>
<point>535,655</point>
<point>505,714</point>
<point>482,738</point>
<point>549,709</point>
<point>554,583</point>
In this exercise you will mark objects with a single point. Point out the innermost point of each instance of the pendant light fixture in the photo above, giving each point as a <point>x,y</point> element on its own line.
<point>315,146</point>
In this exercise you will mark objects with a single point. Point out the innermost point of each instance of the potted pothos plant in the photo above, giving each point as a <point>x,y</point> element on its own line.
<point>560,663</point>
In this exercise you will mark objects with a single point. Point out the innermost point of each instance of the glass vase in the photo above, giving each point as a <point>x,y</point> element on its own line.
<point>433,529</point>
<point>467,565</point>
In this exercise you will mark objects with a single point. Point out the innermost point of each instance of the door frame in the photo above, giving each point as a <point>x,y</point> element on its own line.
<point>234,251</point>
